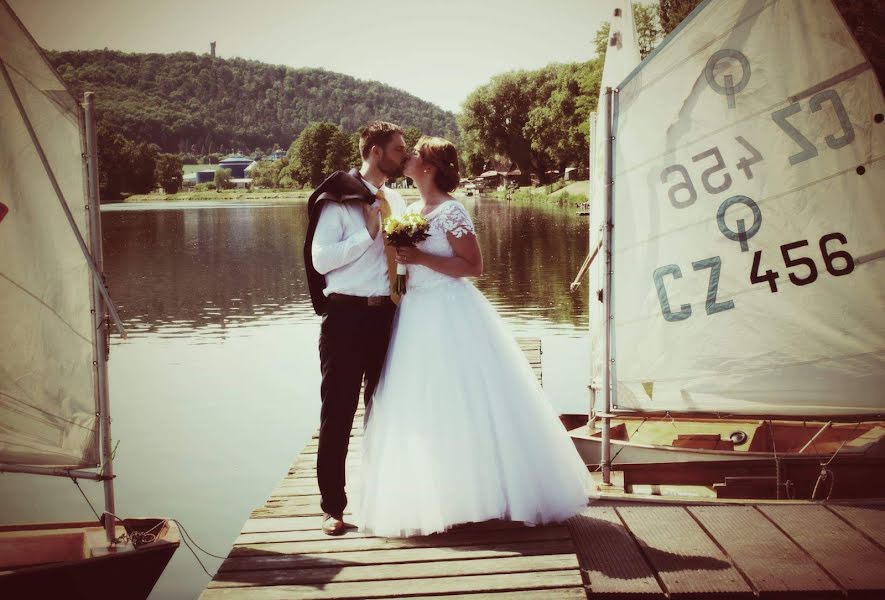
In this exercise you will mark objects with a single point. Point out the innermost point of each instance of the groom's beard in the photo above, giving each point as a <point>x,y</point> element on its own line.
<point>390,168</point>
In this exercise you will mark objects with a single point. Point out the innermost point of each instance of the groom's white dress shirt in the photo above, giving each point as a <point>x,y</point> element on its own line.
<point>343,251</point>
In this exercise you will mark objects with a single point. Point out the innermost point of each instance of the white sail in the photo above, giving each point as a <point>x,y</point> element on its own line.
<point>749,217</point>
<point>621,57</point>
<point>48,403</point>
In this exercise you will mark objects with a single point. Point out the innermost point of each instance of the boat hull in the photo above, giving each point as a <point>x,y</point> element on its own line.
<point>129,573</point>
<point>850,474</point>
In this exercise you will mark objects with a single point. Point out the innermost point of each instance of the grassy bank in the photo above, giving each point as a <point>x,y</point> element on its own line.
<point>281,196</point>
<point>213,196</point>
<point>573,194</point>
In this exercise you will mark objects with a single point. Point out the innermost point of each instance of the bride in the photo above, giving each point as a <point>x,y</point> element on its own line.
<point>459,429</point>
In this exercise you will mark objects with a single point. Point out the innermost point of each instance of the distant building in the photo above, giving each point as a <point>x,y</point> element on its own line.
<point>206,176</point>
<point>236,164</point>
<point>276,155</point>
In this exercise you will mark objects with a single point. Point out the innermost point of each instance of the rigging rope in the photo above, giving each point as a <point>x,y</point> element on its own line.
<point>145,537</point>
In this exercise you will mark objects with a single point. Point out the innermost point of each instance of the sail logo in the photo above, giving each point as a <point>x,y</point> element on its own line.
<point>728,87</point>
<point>812,122</point>
<point>3,211</point>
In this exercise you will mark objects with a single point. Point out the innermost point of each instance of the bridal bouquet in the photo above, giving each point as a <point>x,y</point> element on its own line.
<point>404,230</point>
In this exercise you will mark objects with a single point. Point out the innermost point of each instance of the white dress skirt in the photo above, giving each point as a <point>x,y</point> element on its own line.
<point>459,429</point>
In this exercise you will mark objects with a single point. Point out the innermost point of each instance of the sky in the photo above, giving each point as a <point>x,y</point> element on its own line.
<point>439,51</point>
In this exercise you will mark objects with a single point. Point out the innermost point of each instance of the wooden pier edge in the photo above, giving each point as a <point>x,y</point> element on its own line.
<point>612,550</point>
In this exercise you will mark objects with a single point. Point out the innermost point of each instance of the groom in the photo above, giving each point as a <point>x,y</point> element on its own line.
<point>349,274</point>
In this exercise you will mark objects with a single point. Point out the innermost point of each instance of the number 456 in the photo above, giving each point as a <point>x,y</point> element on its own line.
<point>769,276</point>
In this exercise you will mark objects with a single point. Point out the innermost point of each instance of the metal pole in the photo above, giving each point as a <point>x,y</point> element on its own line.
<point>99,320</point>
<point>61,198</point>
<point>591,385</point>
<point>607,241</point>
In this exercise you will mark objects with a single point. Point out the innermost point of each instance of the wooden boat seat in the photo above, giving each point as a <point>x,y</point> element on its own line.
<point>703,441</point>
<point>21,549</point>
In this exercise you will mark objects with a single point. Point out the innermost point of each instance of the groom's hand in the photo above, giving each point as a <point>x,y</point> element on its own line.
<point>373,219</point>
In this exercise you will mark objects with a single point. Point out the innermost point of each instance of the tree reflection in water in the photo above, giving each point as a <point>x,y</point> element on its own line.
<point>177,270</point>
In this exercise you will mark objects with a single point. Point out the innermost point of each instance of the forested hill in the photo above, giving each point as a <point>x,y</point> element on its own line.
<point>186,102</point>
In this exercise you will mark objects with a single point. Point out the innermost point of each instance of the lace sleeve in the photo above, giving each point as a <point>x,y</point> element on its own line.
<point>456,221</point>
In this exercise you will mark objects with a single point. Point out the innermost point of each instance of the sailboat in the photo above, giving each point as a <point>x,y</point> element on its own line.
<point>737,281</point>
<point>54,402</point>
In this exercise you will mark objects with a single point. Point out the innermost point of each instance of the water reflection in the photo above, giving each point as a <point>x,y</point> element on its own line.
<point>201,272</point>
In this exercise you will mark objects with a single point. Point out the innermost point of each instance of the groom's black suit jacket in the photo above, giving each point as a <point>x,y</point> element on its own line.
<point>338,187</point>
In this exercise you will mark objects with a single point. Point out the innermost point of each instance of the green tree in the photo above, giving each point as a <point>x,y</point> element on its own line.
<point>140,160</point>
<point>559,127</point>
<point>356,159</point>
<point>223,180</point>
<point>111,163</point>
<point>648,31</point>
<point>672,12</point>
<point>470,155</point>
<point>264,175</point>
<point>864,19</point>
<point>168,172</point>
<point>496,115</point>
<point>648,28</point>
<point>186,101</point>
<point>320,149</point>
<point>411,135</point>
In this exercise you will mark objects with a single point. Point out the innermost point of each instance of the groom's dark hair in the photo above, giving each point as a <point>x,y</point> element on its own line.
<point>377,133</point>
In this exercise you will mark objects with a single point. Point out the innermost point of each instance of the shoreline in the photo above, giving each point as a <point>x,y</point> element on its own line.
<point>570,195</point>
<point>277,196</point>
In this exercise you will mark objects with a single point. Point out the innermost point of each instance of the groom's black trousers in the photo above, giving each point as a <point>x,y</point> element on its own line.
<point>353,341</point>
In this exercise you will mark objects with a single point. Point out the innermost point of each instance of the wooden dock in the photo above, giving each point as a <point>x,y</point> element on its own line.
<point>613,550</point>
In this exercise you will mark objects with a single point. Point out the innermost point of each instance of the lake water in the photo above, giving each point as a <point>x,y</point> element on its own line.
<point>216,389</point>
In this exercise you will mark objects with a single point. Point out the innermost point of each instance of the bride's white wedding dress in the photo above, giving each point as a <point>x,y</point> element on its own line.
<point>459,429</point>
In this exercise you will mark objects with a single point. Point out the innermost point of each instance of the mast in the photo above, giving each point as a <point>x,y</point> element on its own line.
<point>607,245</point>
<point>99,320</point>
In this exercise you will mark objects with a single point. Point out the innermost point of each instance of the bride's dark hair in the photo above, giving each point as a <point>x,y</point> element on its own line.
<point>441,154</point>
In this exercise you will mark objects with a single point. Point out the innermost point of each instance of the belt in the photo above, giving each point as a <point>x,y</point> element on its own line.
<point>360,300</point>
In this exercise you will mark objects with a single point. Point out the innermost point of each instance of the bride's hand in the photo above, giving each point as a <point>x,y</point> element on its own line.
<point>408,255</point>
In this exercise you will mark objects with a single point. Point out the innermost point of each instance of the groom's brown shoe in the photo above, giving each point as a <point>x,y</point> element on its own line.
<point>332,525</point>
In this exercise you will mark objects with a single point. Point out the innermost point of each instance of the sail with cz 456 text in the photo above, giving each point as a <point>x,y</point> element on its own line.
<point>749,224</point>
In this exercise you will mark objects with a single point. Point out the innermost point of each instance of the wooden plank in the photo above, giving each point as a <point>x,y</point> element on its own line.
<point>307,489</point>
<point>610,558</point>
<point>294,500</point>
<point>687,561</point>
<point>310,461</point>
<point>851,559</point>
<point>282,524</point>
<point>464,535</point>
<point>772,562</point>
<point>289,511</point>
<point>356,441</point>
<point>557,594</point>
<point>396,556</point>
<point>575,593</point>
<point>347,543</point>
<point>267,534</point>
<point>346,572</point>
<point>405,587</point>
<point>305,523</point>
<point>869,519</point>
<point>306,477</point>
